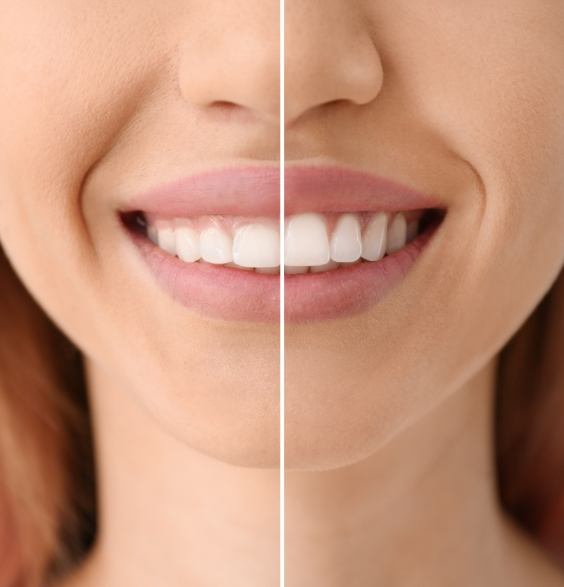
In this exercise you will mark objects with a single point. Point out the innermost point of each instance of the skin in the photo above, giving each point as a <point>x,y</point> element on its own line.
<point>384,408</point>
<point>389,412</point>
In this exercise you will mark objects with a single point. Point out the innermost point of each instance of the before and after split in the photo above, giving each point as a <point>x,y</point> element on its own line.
<point>282,293</point>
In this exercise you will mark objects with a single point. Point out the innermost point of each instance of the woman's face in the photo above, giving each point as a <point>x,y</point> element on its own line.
<point>101,103</point>
<point>467,103</point>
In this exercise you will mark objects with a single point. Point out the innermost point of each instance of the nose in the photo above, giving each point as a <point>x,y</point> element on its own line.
<point>233,60</point>
<point>330,57</point>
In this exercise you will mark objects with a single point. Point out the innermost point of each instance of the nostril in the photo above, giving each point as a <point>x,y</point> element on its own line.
<point>226,110</point>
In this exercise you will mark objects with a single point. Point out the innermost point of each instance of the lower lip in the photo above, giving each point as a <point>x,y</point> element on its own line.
<point>237,295</point>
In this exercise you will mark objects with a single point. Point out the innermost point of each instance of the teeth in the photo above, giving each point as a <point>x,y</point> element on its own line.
<point>314,243</point>
<point>166,238</point>
<point>346,241</point>
<point>397,234</point>
<point>256,245</point>
<point>307,242</point>
<point>187,244</point>
<point>216,246</point>
<point>374,239</point>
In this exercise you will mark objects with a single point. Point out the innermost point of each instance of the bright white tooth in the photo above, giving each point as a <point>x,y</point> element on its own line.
<point>294,270</point>
<point>397,233</point>
<point>215,246</point>
<point>307,243</point>
<point>166,239</point>
<point>346,241</point>
<point>327,267</point>
<point>256,245</point>
<point>412,229</point>
<point>187,244</point>
<point>374,237</point>
<point>153,235</point>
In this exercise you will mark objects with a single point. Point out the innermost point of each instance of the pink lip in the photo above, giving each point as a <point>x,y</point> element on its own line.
<point>233,294</point>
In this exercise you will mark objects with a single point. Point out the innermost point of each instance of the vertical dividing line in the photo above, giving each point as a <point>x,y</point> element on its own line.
<point>282,403</point>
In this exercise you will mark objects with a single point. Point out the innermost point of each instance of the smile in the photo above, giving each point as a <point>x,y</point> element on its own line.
<point>337,261</point>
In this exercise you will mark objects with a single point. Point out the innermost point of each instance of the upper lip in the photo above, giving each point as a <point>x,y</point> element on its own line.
<point>254,191</point>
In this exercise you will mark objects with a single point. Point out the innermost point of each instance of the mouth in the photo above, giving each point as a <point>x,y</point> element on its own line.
<point>349,239</point>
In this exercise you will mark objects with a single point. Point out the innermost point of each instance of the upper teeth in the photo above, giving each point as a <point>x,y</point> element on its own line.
<point>311,240</point>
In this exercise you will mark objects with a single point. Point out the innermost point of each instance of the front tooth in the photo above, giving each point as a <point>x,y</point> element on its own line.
<point>397,234</point>
<point>166,239</point>
<point>307,243</point>
<point>256,245</point>
<point>374,238</point>
<point>216,246</point>
<point>187,244</point>
<point>346,241</point>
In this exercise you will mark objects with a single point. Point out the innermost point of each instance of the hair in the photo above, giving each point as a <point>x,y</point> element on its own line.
<point>46,462</point>
<point>47,465</point>
<point>530,416</point>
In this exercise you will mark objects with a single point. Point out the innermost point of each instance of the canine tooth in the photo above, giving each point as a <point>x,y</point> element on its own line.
<point>307,243</point>
<point>397,233</point>
<point>327,267</point>
<point>166,239</point>
<point>215,246</point>
<point>374,237</point>
<point>187,244</point>
<point>294,270</point>
<point>346,241</point>
<point>256,245</point>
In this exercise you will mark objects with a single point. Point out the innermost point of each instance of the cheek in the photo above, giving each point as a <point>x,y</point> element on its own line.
<point>69,82</point>
<point>495,90</point>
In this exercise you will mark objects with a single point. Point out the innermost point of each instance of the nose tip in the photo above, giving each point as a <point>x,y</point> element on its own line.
<point>235,71</point>
<point>329,58</point>
<point>308,87</point>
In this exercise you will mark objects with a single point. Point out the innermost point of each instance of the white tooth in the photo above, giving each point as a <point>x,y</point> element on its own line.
<point>256,245</point>
<point>346,241</point>
<point>165,238</point>
<point>270,270</point>
<point>327,267</point>
<point>307,243</point>
<point>412,229</point>
<point>397,233</point>
<point>187,244</point>
<point>374,237</point>
<point>215,246</point>
<point>153,234</point>
<point>294,270</point>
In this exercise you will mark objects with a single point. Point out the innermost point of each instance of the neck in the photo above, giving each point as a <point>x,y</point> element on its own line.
<point>420,511</point>
<point>169,515</point>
